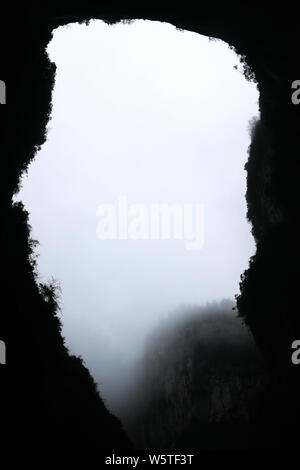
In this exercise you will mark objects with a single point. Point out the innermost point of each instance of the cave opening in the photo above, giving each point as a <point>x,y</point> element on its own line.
<point>155,115</point>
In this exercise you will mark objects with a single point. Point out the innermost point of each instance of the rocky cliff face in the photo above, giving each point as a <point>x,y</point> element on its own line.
<point>200,374</point>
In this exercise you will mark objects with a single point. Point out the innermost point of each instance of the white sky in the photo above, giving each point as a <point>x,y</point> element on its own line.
<point>158,115</point>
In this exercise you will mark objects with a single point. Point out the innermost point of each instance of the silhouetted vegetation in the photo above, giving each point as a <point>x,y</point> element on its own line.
<point>50,389</point>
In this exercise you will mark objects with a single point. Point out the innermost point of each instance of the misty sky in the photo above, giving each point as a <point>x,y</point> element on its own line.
<point>159,116</point>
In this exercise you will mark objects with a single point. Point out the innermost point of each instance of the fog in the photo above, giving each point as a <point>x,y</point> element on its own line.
<point>156,116</point>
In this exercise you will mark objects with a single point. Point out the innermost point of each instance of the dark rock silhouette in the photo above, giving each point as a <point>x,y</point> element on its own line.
<point>48,398</point>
